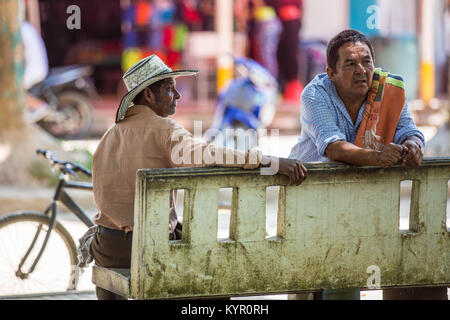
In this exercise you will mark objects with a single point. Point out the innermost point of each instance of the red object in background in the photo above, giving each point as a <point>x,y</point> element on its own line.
<point>190,13</point>
<point>173,58</point>
<point>111,47</point>
<point>147,52</point>
<point>143,12</point>
<point>288,13</point>
<point>168,36</point>
<point>293,91</point>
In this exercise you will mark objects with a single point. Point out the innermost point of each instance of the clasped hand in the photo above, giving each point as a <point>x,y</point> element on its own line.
<point>409,153</point>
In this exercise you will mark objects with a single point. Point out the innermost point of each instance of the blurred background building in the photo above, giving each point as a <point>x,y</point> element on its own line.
<point>411,38</point>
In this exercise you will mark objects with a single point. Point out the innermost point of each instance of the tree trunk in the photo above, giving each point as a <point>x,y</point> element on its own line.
<point>11,66</point>
<point>18,140</point>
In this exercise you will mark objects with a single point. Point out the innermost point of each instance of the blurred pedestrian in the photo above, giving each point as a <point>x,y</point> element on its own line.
<point>35,71</point>
<point>262,26</point>
<point>267,34</point>
<point>207,11</point>
<point>290,13</point>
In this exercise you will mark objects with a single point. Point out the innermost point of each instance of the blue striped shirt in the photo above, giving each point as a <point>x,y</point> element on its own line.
<point>324,119</point>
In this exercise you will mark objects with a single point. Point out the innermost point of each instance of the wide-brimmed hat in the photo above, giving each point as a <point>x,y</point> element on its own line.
<point>145,72</point>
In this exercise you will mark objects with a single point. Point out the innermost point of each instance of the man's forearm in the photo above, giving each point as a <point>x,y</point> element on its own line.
<point>349,153</point>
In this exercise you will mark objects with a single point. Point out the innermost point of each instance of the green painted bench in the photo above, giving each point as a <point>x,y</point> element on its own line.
<point>338,230</point>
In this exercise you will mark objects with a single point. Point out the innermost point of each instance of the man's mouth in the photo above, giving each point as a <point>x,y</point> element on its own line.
<point>360,81</point>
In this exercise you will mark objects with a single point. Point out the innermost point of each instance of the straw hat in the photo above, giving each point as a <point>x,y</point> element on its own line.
<point>145,72</point>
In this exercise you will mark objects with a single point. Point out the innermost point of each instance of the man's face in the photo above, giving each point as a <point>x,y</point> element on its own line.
<point>165,101</point>
<point>354,70</point>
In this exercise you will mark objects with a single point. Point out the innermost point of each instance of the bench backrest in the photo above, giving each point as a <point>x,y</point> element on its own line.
<point>339,229</point>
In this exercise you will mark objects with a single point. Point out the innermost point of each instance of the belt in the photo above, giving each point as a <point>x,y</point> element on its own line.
<point>114,232</point>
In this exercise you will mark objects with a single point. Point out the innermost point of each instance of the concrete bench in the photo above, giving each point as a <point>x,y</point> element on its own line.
<point>338,230</point>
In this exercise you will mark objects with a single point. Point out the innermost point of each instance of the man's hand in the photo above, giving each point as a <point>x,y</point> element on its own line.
<point>413,155</point>
<point>294,169</point>
<point>390,154</point>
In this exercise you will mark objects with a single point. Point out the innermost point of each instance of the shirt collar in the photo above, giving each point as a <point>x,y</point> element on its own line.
<point>140,109</point>
<point>337,101</point>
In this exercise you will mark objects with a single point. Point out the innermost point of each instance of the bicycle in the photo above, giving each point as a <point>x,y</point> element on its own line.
<point>28,243</point>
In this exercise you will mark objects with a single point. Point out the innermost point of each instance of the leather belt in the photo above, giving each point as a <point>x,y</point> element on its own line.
<point>114,232</point>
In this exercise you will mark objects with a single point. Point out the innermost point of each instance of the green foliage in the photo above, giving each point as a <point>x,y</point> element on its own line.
<point>41,171</point>
<point>82,157</point>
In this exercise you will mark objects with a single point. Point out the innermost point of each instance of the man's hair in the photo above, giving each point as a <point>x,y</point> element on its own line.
<point>154,87</point>
<point>343,37</point>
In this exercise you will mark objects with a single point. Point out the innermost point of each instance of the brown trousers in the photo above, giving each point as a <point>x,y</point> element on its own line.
<point>111,251</point>
<point>114,251</point>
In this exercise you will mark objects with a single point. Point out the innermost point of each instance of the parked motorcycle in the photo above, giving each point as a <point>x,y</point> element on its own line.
<point>248,102</point>
<point>66,91</point>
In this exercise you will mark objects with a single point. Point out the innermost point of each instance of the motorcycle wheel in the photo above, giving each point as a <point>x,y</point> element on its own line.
<point>73,118</point>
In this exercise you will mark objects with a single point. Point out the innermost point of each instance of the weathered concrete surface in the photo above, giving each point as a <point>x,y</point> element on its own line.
<point>339,222</point>
<point>114,280</point>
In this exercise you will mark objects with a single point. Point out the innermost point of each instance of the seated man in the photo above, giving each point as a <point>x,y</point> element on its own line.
<point>143,137</point>
<point>356,113</point>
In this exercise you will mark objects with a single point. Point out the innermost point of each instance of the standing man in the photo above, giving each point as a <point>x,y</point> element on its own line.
<point>143,137</point>
<point>358,114</point>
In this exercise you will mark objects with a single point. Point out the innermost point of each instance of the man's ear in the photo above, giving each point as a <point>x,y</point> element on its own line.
<point>330,73</point>
<point>149,96</point>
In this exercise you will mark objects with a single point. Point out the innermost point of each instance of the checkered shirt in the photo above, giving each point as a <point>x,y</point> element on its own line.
<point>324,119</point>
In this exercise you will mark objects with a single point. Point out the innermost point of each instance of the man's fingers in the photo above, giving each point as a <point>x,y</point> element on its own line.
<point>291,177</point>
<point>413,158</point>
<point>413,161</point>
<point>410,155</point>
<point>305,172</point>
<point>393,158</point>
<point>294,169</point>
<point>300,175</point>
<point>405,150</point>
<point>396,146</point>
<point>297,174</point>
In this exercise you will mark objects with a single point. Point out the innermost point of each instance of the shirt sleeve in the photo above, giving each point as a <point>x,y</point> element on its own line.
<point>406,127</point>
<point>187,151</point>
<point>318,120</point>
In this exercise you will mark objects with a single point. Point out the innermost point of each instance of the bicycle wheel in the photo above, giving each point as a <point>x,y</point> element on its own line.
<point>55,271</point>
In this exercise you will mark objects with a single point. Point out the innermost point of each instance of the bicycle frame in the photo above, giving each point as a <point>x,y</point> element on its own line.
<point>51,211</point>
<point>67,200</point>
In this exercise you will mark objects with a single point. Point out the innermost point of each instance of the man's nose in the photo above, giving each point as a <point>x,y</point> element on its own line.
<point>177,94</point>
<point>360,68</point>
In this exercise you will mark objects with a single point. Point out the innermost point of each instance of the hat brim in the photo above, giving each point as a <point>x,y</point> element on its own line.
<point>127,100</point>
